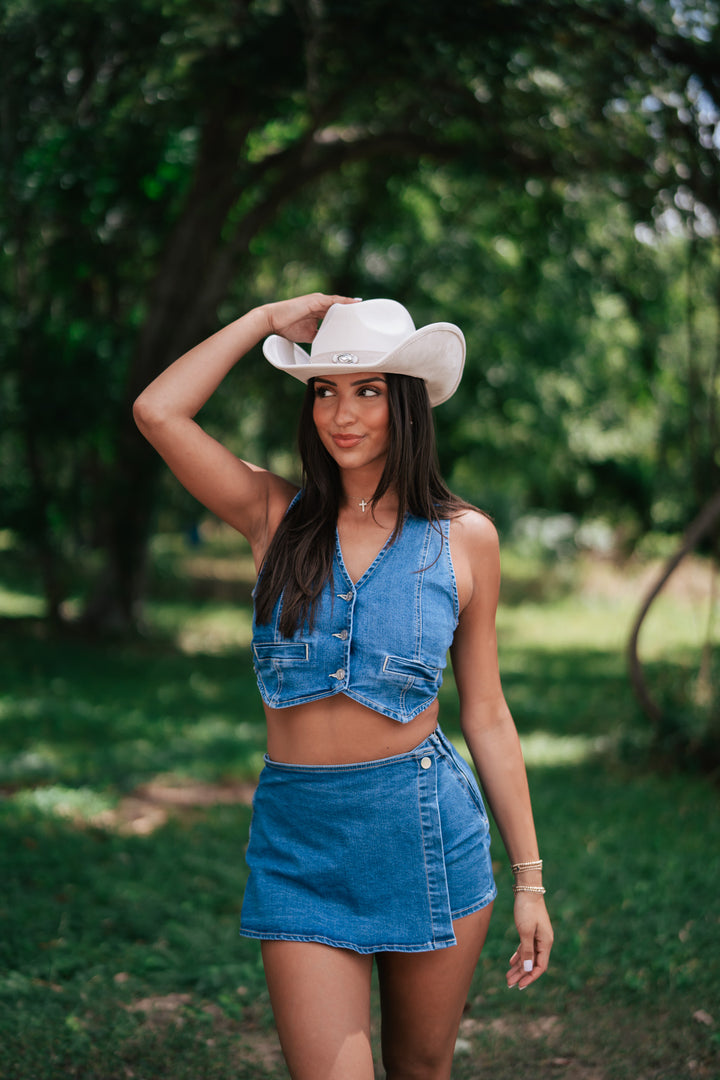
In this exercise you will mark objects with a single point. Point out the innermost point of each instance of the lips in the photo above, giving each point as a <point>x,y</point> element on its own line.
<point>345,442</point>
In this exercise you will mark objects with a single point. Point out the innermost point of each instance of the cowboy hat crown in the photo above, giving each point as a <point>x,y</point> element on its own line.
<point>376,335</point>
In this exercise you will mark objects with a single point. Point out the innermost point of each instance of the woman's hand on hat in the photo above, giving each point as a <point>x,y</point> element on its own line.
<point>297,319</point>
<point>530,959</point>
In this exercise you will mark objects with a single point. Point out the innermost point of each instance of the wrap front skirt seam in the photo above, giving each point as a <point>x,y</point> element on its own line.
<point>343,856</point>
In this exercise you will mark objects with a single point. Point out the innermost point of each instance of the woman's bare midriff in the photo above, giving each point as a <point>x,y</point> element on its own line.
<point>338,730</point>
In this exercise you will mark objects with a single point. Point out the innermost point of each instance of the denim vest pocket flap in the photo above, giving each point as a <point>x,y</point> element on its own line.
<point>414,672</point>
<point>274,658</point>
<point>281,651</point>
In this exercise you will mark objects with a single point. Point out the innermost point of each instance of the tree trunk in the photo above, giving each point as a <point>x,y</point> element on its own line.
<point>175,321</point>
<point>116,603</point>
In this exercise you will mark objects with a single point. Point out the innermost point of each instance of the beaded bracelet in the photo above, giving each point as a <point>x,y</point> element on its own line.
<point>539,889</point>
<point>519,867</point>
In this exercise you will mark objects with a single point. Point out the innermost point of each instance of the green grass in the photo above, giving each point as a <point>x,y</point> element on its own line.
<point>119,953</point>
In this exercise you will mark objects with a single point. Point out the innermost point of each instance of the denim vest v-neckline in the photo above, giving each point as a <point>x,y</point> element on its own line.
<point>366,573</point>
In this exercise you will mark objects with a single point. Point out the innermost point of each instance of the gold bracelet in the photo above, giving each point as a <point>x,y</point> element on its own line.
<point>518,867</point>
<point>539,889</point>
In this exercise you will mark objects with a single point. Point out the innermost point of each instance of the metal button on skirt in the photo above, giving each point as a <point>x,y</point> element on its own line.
<point>375,856</point>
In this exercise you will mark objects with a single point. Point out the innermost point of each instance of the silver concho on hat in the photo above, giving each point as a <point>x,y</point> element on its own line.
<point>345,358</point>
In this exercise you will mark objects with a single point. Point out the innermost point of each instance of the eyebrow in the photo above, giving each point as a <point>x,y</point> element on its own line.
<point>357,382</point>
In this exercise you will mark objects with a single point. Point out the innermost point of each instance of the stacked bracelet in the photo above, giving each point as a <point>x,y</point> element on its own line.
<point>519,867</point>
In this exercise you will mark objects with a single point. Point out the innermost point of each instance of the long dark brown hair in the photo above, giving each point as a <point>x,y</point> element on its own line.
<point>299,559</point>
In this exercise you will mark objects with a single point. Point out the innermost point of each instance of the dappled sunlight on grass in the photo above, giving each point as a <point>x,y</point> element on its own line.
<point>545,628</point>
<point>672,629</point>
<point>592,604</point>
<point>15,604</point>
<point>215,628</point>
<point>208,729</point>
<point>142,811</point>
<point>97,714</point>
<point>544,749</point>
<point>35,758</point>
<point>602,624</point>
<point>77,804</point>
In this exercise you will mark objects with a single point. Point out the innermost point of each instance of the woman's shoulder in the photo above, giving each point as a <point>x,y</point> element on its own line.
<point>475,553</point>
<point>468,525</point>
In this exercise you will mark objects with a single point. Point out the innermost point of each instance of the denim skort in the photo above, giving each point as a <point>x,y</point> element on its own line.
<point>375,856</point>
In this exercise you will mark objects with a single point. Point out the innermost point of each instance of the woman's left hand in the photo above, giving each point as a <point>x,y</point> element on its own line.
<point>297,319</point>
<point>530,959</point>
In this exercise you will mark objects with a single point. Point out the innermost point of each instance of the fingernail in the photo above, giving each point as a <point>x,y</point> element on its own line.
<point>527,965</point>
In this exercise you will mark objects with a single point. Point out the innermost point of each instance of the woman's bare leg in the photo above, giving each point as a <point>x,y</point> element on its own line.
<point>320,997</point>
<point>423,996</point>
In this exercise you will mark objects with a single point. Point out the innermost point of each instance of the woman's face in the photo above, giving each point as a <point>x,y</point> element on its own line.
<point>352,417</point>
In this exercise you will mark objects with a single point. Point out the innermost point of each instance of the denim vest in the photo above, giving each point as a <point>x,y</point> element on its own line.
<point>382,641</point>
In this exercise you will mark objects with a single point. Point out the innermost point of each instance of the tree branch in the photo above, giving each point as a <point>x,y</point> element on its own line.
<point>694,533</point>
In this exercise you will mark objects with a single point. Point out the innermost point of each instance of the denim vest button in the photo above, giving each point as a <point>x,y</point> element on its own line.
<point>425,762</point>
<point>339,674</point>
<point>342,635</point>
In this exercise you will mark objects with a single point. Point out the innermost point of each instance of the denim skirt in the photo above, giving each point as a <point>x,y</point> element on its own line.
<point>374,856</point>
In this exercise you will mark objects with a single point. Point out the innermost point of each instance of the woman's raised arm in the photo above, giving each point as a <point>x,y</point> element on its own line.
<point>249,498</point>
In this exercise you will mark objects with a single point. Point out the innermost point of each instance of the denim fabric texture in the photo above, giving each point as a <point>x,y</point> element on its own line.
<point>382,640</point>
<point>373,856</point>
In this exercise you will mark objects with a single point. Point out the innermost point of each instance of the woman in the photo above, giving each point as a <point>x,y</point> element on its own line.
<point>369,835</point>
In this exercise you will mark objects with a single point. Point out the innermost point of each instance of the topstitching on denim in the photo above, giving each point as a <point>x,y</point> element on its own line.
<point>401,891</point>
<point>381,640</point>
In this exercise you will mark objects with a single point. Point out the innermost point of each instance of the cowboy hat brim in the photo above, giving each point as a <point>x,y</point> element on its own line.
<point>434,353</point>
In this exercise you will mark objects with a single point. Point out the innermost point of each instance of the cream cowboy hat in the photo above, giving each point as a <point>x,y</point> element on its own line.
<point>376,335</point>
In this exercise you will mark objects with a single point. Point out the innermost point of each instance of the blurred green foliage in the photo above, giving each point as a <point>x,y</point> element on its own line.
<point>543,172</point>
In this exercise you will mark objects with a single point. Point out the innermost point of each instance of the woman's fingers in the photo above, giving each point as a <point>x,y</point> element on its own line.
<point>530,960</point>
<point>297,319</point>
